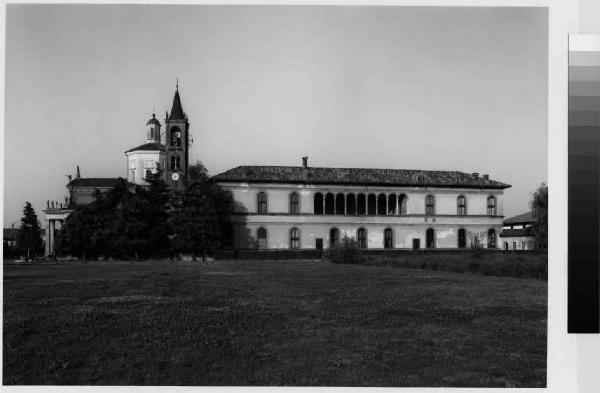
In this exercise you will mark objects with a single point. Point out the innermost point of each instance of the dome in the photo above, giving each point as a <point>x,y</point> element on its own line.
<point>153,121</point>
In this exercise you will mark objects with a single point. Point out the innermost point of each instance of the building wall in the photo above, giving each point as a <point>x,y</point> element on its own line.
<point>278,222</point>
<point>517,243</point>
<point>139,161</point>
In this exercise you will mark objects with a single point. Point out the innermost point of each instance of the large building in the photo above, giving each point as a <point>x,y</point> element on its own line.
<point>304,207</point>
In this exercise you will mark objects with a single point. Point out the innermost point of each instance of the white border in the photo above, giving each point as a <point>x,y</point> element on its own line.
<point>562,348</point>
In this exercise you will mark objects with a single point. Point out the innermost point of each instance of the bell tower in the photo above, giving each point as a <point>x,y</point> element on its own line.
<point>177,143</point>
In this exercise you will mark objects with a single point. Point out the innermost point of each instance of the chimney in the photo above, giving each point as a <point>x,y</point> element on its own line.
<point>305,162</point>
<point>486,177</point>
<point>78,174</point>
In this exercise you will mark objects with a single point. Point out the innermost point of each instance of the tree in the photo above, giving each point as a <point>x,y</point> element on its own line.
<point>121,223</point>
<point>193,217</point>
<point>539,209</point>
<point>29,237</point>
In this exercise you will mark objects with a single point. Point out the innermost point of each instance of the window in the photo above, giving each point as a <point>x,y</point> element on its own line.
<point>371,204</point>
<point>392,204</point>
<point>462,205</point>
<point>294,203</point>
<point>340,207</point>
<point>362,238</point>
<point>430,238</point>
<point>132,176</point>
<point>175,163</point>
<point>175,137</point>
<point>492,238</point>
<point>329,203</point>
<point>350,204</point>
<point>262,203</point>
<point>261,234</point>
<point>462,238</point>
<point>318,203</point>
<point>388,238</point>
<point>361,204</point>
<point>148,174</point>
<point>429,205</point>
<point>381,205</point>
<point>133,163</point>
<point>334,237</point>
<point>294,238</point>
<point>491,206</point>
<point>402,202</point>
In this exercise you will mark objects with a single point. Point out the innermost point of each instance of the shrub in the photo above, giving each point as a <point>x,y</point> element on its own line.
<point>346,251</point>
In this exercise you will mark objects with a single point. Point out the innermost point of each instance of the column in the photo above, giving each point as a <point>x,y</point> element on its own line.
<point>387,203</point>
<point>47,245</point>
<point>345,203</point>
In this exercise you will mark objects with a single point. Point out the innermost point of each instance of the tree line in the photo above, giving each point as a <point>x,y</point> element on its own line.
<point>131,222</point>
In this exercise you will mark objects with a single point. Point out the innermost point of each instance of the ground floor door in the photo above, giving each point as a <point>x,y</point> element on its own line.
<point>416,244</point>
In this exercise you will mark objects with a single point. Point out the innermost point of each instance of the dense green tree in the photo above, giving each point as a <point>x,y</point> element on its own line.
<point>539,208</point>
<point>121,223</point>
<point>194,216</point>
<point>29,237</point>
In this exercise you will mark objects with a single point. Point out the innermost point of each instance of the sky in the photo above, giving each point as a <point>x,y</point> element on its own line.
<point>433,88</point>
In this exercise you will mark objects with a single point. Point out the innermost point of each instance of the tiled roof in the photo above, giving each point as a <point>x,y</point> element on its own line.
<point>152,146</point>
<point>176,109</point>
<point>525,218</point>
<point>356,176</point>
<point>94,182</point>
<point>517,232</point>
<point>153,121</point>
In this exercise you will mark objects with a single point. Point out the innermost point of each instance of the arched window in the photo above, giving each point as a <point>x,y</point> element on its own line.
<point>340,204</point>
<point>392,204</point>
<point>491,205</point>
<point>402,202</point>
<point>318,203</point>
<point>381,205</point>
<point>334,237</point>
<point>361,204</point>
<point>294,203</point>
<point>372,204</point>
<point>461,203</point>
<point>430,238</point>
<point>388,238</point>
<point>462,238</point>
<point>294,238</point>
<point>350,204</point>
<point>175,137</point>
<point>262,203</point>
<point>329,203</point>
<point>261,235</point>
<point>175,163</point>
<point>429,205</point>
<point>492,238</point>
<point>361,236</point>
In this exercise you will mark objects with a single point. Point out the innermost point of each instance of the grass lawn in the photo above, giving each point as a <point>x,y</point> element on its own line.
<point>270,323</point>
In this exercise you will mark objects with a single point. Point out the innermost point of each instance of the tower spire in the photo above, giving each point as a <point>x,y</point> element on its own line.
<point>177,84</point>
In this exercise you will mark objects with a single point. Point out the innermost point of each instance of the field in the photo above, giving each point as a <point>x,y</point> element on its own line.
<point>270,323</point>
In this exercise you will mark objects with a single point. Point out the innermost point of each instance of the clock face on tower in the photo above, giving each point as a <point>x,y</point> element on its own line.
<point>175,176</point>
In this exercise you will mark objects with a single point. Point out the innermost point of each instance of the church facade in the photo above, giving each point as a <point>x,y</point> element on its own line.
<point>304,207</point>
